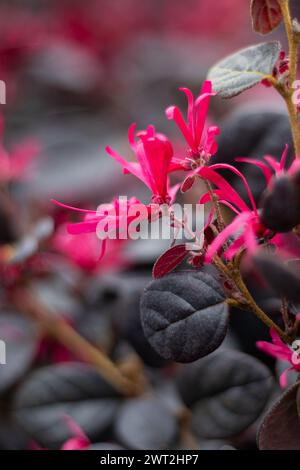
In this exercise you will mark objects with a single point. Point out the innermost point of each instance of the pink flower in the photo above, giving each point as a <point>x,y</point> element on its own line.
<point>281,351</point>
<point>80,441</point>
<point>15,166</point>
<point>246,226</point>
<point>199,149</point>
<point>271,167</point>
<point>154,153</point>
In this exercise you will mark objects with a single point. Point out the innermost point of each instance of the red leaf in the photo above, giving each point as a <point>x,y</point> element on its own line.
<point>169,260</point>
<point>188,183</point>
<point>266,15</point>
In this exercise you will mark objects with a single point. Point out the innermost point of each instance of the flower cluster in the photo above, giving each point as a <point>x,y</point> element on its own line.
<point>155,163</point>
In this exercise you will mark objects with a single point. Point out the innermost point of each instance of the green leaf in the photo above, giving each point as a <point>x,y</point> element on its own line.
<point>244,69</point>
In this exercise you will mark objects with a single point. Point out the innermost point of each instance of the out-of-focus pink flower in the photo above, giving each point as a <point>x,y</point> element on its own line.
<point>80,441</point>
<point>154,153</point>
<point>281,351</point>
<point>200,148</point>
<point>84,251</point>
<point>116,214</point>
<point>15,166</point>
<point>271,167</point>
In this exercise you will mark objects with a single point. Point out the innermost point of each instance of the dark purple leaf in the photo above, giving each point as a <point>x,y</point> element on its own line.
<point>281,206</point>
<point>18,335</point>
<point>184,315</point>
<point>280,429</point>
<point>284,279</point>
<point>73,389</point>
<point>145,424</point>
<point>226,392</point>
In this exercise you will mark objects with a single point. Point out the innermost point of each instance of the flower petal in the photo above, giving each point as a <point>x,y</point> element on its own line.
<point>261,165</point>
<point>173,112</point>
<point>226,166</point>
<point>218,180</point>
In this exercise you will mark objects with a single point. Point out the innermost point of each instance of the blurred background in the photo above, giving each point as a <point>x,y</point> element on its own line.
<point>77,74</point>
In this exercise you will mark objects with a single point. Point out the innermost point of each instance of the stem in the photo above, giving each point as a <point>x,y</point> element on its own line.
<point>79,346</point>
<point>257,310</point>
<point>293,115</point>
<point>293,42</point>
<point>292,38</point>
<point>234,274</point>
<point>215,202</point>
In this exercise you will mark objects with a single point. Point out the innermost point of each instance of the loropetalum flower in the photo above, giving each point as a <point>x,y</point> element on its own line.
<point>246,226</point>
<point>15,165</point>
<point>283,352</point>
<point>154,152</point>
<point>277,167</point>
<point>201,145</point>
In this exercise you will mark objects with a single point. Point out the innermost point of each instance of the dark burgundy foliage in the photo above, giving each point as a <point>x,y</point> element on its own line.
<point>226,392</point>
<point>180,324</point>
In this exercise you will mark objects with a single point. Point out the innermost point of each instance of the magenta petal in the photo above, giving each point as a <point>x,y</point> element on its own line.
<point>172,191</point>
<point>65,206</point>
<point>250,240</point>
<point>191,108</point>
<point>131,138</point>
<point>273,163</point>
<point>218,180</point>
<point>283,378</point>
<point>127,166</point>
<point>202,105</point>
<point>283,158</point>
<point>83,227</point>
<point>273,350</point>
<point>226,166</point>
<point>261,165</point>
<point>210,146</point>
<point>174,113</point>
<point>225,234</point>
<point>295,167</point>
<point>276,338</point>
<point>230,206</point>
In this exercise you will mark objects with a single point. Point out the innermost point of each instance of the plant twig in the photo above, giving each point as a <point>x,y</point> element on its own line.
<point>233,274</point>
<point>71,339</point>
<point>287,94</point>
<point>292,39</point>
